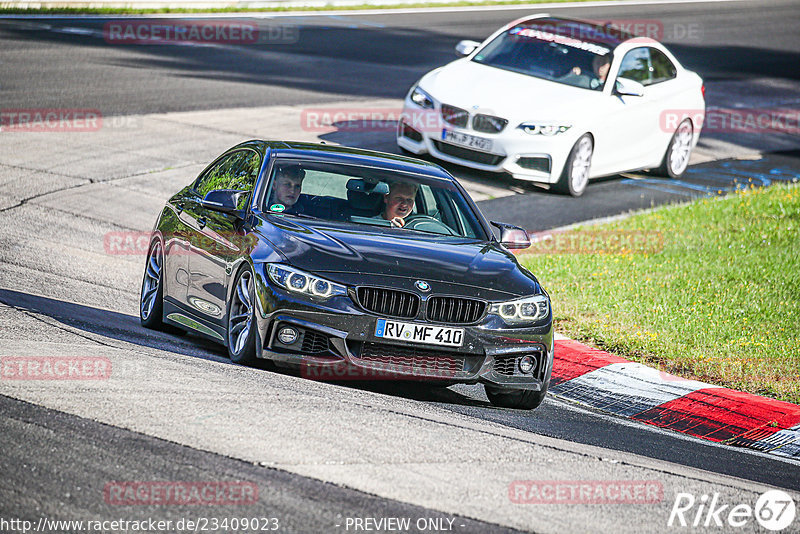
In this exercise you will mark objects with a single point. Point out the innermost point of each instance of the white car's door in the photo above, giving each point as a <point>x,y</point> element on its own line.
<point>633,124</point>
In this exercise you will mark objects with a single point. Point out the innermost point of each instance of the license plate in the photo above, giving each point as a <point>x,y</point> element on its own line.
<point>419,333</point>
<point>467,140</point>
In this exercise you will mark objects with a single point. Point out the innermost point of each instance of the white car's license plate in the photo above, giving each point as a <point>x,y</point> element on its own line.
<point>419,333</point>
<point>467,140</point>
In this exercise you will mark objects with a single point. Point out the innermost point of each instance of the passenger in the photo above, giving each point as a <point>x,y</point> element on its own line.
<point>286,188</point>
<point>398,202</point>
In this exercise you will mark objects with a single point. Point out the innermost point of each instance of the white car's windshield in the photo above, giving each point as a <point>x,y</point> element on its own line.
<point>369,196</point>
<point>544,52</point>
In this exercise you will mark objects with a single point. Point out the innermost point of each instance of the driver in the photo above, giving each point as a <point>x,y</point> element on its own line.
<point>399,202</point>
<point>286,188</point>
<point>590,80</point>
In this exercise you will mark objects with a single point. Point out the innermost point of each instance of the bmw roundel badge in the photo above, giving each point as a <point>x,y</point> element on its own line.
<point>422,285</point>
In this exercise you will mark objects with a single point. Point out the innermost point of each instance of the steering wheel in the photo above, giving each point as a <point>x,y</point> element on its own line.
<point>426,223</point>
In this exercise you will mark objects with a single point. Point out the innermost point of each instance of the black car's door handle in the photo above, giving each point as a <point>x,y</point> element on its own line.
<point>201,223</point>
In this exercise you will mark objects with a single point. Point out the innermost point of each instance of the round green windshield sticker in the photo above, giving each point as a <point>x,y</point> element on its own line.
<point>277,207</point>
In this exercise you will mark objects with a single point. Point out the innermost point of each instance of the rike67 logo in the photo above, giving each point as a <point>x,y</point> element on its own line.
<point>774,510</point>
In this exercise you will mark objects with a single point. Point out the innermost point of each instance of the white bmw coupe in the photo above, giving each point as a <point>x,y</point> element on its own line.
<point>557,101</point>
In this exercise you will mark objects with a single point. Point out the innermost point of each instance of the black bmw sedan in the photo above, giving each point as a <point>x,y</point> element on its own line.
<point>349,263</point>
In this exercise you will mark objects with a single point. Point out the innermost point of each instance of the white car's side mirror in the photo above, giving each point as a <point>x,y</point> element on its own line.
<point>625,86</point>
<point>466,47</point>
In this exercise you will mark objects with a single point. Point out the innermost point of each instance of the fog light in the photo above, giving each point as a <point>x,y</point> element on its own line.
<point>526,364</point>
<point>287,335</point>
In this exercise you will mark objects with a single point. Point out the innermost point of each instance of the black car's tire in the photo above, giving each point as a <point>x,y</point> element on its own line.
<point>241,324</point>
<point>511,398</point>
<point>679,151</point>
<point>151,298</point>
<point>575,175</point>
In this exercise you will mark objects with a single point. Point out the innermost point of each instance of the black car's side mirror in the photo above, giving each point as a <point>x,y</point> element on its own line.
<point>512,236</point>
<point>224,200</point>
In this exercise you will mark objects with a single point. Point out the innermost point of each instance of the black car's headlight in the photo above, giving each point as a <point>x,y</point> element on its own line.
<point>298,281</point>
<point>421,98</point>
<point>526,310</point>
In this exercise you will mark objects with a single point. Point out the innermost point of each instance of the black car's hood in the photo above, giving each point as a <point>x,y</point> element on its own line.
<point>346,253</point>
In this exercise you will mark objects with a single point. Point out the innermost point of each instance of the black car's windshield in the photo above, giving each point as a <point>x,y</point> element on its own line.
<point>369,196</point>
<point>549,52</point>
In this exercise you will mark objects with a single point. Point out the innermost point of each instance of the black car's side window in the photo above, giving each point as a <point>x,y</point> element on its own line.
<point>636,66</point>
<point>663,69</point>
<point>237,170</point>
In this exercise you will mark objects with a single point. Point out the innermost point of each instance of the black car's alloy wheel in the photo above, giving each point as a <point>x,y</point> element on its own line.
<point>151,303</point>
<point>509,398</point>
<point>241,319</point>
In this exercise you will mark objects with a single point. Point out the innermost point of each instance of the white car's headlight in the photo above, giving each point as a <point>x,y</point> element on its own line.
<point>421,98</point>
<point>300,282</point>
<point>522,311</point>
<point>535,128</point>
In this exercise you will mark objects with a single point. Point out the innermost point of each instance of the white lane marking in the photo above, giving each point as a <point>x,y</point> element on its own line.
<point>78,31</point>
<point>387,11</point>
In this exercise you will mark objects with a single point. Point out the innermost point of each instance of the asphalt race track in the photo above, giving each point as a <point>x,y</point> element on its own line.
<point>174,408</point>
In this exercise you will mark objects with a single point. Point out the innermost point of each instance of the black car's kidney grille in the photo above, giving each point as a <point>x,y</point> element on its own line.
<point>418,361</point>
<point>455,116</point>
<point>488,123</point>
<point>314,342</point>
<point>468,154</point>
<point>455,310</point>
<point>388,301</point>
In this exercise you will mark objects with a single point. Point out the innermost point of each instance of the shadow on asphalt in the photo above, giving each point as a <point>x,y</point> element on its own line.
<point>127,328</point>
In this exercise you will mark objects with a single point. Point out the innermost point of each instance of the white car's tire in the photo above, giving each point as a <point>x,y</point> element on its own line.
<point>679,151</point>
<point>575,175</point>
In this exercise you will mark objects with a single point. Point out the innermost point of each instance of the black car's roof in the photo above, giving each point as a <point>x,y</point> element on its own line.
<point>586,31</point>
<point>357,156</point>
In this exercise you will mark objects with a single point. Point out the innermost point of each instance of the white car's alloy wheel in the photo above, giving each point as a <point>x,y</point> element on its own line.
<point>680,149</point>
<point>579,174</point>
<point>575,175</point>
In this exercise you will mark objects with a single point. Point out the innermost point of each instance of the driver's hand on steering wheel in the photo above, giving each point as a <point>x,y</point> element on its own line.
<point>398,222</point>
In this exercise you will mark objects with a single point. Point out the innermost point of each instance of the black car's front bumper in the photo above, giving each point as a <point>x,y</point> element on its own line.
<point>337,342</point>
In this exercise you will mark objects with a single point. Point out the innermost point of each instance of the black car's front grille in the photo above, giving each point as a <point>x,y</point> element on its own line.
<point>468,154</point>
<point>455,116</point>
<point>417,361</point>
<point>388,301</point>
<point>314,342</point>
<point>488,123</point>
<point>455,310</point>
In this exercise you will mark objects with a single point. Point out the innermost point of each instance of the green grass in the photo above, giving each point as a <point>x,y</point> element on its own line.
<point>720,302</point>
<point>9,10</point>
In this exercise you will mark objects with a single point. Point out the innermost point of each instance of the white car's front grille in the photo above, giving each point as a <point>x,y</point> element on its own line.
<point>488,123</point>
<point>455,116</point>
